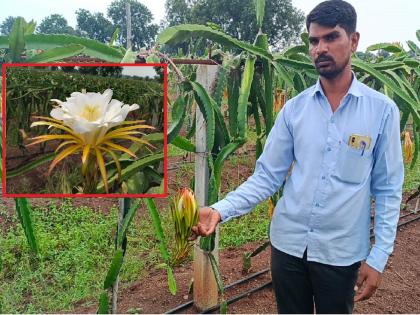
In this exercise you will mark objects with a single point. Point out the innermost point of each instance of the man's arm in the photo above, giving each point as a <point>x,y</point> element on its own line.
<point>270,171</point>
<point>386,188</point>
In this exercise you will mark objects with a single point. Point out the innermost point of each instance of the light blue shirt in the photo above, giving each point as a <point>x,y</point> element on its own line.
<point>326,200</point>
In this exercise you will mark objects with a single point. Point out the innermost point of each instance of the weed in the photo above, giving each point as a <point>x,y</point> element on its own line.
<point>175,151</point>
<point>63,181</point>
<point>74,245</point>
<point>184,176</point>
<point>412,177</point>
<point>249,228</point>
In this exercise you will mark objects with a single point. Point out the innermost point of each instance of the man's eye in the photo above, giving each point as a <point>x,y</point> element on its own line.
<point>330,38</point>
<point>313,41</point>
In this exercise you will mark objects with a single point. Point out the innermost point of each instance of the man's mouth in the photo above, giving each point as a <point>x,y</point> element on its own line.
<point>323,61</point>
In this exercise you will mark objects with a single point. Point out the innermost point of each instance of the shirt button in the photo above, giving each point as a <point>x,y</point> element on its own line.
<point>323,177</point>
<point>311,230</point>
<point>328,149</point>
<point>317,204</point>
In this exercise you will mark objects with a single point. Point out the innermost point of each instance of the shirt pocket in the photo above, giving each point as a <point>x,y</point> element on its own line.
<point>352,166</point>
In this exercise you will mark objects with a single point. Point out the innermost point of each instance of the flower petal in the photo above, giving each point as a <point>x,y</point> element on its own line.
<point>107,96</point>
<point>57,113</point>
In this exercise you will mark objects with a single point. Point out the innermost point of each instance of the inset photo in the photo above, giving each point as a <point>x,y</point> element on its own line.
<point>84,130</point>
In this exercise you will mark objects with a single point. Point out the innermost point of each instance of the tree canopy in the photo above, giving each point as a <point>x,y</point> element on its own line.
<point>143,30</point>
<point>102,71</point>
<point>94,25</point>
<point>7,24</point>
<point>282,21</point>
<point>99,27</point>
<point>55,24</point>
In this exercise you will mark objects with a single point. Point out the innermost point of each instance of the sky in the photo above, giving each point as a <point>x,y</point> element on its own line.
<point>378,20</point>
<point>140,71</point>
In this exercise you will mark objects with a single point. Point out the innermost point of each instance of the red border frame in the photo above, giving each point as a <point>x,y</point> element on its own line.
<point>165,123</point>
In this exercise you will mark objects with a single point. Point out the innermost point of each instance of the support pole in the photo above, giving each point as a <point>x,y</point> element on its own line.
<point>205,286</point>
<point>128,13</point>
<point>124,205</point>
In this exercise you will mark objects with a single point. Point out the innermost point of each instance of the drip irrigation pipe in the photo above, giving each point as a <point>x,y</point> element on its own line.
<point>240,296</point>
<point>254,275</point>
<point>407,214</point>
<point>401,217</point>
<point>250,277</point>
<point>409,221</point>
<point>267,284</point>
<point>401,224</point>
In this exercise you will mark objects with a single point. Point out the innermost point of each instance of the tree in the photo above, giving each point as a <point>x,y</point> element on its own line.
<point>94,26</point>
<point>55,24</point>
<point>143,30</point>
<point>160,74</point>
<point>178,12</point>
<point>115,72</point>
<point>7,24</point>
<point>282,22</point>
<point>68,69</point>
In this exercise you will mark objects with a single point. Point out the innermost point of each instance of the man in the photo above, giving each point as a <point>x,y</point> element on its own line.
<point>344,140</point>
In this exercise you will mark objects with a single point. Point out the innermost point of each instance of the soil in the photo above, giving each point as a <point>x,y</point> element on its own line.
<point>35,181</point>
<point>399,291</point>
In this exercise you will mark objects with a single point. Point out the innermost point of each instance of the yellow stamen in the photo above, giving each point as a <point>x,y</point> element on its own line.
<point>91,112</point>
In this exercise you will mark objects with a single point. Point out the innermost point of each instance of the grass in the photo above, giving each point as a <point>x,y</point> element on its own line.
<point>175,151</point>
<point>412,177</point>
<point>249,228</point>
<point>76,246</point>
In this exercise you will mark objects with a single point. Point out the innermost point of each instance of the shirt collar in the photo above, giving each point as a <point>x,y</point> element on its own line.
<point>353,90</point>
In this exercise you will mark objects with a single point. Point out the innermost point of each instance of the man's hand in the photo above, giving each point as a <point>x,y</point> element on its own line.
<point>208,218</point>
<point>367,282</point>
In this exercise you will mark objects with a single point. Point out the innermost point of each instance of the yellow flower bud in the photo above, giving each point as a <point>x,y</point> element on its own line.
<point>184,210</point>
<point>408,147</point>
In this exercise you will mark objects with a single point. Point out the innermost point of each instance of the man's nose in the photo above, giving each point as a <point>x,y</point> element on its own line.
<point>322,47</point>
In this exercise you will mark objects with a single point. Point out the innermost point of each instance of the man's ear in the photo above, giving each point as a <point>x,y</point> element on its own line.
<point>354,38</point>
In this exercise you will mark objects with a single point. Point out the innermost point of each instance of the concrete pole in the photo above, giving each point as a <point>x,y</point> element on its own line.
<point>128,13</point>
<point>205,286</point>
<point>124,205</point>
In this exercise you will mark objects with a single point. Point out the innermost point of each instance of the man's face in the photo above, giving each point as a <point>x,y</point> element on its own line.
<point>331,49</point>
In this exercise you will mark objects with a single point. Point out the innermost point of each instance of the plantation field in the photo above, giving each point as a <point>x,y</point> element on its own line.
<point>72,255</point>
<point>76,239</point>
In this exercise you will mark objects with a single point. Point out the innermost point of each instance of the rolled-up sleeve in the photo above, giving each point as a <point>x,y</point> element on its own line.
<point>270,171</point>
<point>386,188</point>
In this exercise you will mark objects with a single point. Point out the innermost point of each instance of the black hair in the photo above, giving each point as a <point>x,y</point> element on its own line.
<point>332,13</point>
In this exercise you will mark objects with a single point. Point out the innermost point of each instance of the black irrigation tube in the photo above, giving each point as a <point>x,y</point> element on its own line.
<point>401,217</point>
<point>238,297</point>
<point>187,304</point>
<point>403,223</point>
<point>263,286</point>
<point>254,275</point>
<point>409,221</point>
<point>407,214</point>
